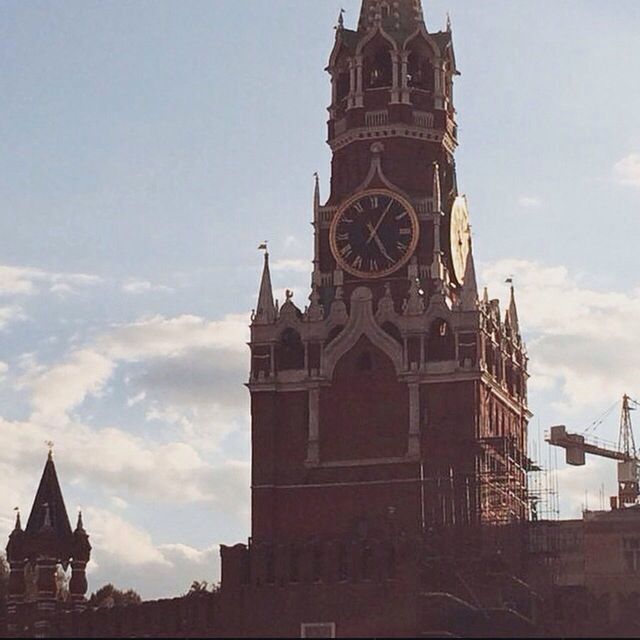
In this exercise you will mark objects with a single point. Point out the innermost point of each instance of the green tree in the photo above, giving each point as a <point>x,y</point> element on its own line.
<point>109,596</point>
<point>202,586</point>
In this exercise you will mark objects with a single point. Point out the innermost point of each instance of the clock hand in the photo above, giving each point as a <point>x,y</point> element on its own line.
<point>374,230</point>
<point>381,246</point>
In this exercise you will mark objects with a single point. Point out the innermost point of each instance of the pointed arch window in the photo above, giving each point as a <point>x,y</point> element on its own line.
<point>343,86</point>
<point>441,341</point>
<point>420,74</point>
<point>378,69</point>
<point>290,351</point>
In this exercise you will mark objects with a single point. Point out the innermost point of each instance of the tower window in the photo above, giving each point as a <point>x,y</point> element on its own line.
<point>379,70</point>
<point>343,86</point>
<point>441,342</point>
<point>290,351</point>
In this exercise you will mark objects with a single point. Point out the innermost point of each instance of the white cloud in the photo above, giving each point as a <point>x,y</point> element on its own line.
<point>28,280</point>
<point>529,202</point>
<point>64,386</point>
<point>127,555</point>
<point>4,368</point>
<point>627,170</point>
<point>9,314</point>
<point>164,337</point>
<point>120,463</point>
<point>143,286</point>
<point>112,535</point>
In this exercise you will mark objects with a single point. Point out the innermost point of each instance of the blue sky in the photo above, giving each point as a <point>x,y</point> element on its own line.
<point>146,148</point>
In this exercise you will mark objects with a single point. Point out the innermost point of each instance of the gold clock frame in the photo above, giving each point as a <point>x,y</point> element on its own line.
<point>367,275</point>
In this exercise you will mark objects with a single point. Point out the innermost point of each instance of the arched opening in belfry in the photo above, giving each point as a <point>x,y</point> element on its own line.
<point>290,351</point>
<point>378,69</point>
<point>343,85</point>
<point>441,344</point>
<point>420,73</point>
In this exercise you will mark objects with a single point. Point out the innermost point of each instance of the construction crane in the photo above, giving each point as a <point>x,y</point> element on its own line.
<point>578,445</point>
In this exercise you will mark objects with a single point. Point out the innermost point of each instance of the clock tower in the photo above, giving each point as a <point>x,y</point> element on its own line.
<point>394,403</point>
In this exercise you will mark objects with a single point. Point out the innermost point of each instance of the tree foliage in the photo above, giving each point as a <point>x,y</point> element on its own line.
<point>202,586</point>
<point>108,596</point>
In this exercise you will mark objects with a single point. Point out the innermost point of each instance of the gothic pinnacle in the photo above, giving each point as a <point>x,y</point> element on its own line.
<point>265,311</point>
<point>469,295</point>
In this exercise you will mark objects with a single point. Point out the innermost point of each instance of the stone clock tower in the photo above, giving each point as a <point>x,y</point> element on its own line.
<point>394,403</point>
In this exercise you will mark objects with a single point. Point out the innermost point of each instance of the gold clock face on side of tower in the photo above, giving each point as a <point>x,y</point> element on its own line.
<point>374,233</point>
<point>460,238</point>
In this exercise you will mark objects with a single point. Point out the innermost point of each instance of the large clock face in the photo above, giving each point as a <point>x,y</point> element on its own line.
<point>460,233</point>
<point>374,233</point>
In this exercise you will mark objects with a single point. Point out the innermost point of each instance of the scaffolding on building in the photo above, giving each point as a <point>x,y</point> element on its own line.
<point>543,489</point>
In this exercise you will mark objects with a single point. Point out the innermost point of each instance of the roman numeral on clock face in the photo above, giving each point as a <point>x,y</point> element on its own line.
<point>346,251</point>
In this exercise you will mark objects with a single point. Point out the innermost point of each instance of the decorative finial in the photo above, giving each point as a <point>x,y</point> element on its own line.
<point>80,524</point>
<point>264,246</point>
<point>18,523</point>
<point>341,20</point>
<point>49,444</point>
<point>289,294</point>
<point>448,22</point>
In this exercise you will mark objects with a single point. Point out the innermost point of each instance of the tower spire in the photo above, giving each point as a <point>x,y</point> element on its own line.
<point>513,312</point>
<point>266,310</point>
<point>469,296</point>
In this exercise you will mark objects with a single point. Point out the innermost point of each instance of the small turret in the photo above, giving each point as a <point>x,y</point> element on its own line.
<point>266,310</point>
<point>81,554</point>
<point>512,313</point>
<point>469,295</point>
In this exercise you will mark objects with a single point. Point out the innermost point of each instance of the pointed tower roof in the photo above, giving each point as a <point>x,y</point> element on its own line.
<point>266,309</point>
<point>49,511</point>
<point>469,297</point>
<point>403,16</point>
<point>512,313</point>
<point>14,547</point>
